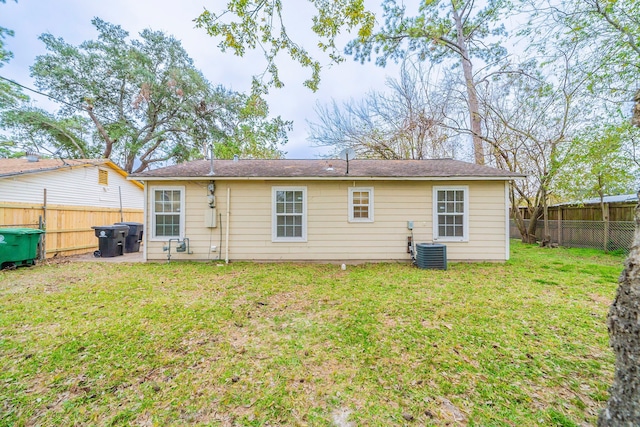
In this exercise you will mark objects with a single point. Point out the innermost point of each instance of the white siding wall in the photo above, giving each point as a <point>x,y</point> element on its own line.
<point>330,236</point>
<point>72,187</point>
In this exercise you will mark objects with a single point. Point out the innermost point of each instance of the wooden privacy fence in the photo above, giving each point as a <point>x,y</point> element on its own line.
<point>617,212</point>
<point>67,228</point>
<point>585,234</point>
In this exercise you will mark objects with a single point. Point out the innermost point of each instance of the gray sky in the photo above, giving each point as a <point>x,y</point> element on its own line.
<point>71,20</point>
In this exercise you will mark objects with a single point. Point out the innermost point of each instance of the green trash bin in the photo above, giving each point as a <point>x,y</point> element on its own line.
<point>18,246</point>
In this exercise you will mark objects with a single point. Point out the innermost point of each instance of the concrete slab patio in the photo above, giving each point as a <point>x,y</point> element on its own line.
<point>88,257</point>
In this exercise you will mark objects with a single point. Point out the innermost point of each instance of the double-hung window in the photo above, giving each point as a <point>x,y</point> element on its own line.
<point>360,204</point>
<point>451,213</point>
<point>289,214</point>
<point>167,212</point>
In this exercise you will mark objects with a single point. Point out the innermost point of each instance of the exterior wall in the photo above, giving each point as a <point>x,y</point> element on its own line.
<point>77,186</point>
<point>330,236</point>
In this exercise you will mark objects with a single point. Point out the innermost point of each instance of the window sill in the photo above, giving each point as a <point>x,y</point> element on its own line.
<point>450,240</point>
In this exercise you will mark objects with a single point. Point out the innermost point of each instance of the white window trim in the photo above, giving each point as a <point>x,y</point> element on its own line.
<point>351,217</point>
<point>465,216</point>
<point>152,202</point>
<point>274,217</point>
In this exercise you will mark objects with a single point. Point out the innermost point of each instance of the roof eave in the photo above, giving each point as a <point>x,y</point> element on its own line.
<point>106,162</point>
<point>330,178</point>
<point>51,169</point>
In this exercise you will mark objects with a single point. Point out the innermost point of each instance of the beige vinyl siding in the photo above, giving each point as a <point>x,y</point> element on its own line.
<point>330,235</point>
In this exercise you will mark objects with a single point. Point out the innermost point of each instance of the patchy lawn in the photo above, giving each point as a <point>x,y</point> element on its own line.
<point>521,343</point>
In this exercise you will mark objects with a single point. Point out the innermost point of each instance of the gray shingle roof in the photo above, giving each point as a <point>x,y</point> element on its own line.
<point>440,168</point>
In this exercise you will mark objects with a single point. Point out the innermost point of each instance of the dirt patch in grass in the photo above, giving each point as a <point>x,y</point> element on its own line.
<point>601,299</point>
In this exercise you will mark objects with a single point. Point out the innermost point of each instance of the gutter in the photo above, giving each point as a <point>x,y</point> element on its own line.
<point>332,178</point>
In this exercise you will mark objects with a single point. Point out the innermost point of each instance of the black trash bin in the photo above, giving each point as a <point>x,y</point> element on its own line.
<point>133,239</point>
<point>111,239</point>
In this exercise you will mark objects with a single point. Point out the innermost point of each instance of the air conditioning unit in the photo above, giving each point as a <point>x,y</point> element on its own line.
<point>431,255</point>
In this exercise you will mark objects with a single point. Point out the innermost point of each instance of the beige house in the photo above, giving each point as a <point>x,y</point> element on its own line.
<point>317,210</point>
<point>67,197</point>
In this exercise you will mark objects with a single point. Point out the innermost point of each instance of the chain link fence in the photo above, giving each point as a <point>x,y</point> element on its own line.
<point>584,234</point>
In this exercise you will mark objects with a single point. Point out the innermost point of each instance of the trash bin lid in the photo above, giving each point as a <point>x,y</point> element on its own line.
<point>20,231</point>
<point>110,227</point>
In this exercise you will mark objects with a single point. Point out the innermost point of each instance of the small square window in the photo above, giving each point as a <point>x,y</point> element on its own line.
<point>360,204</point>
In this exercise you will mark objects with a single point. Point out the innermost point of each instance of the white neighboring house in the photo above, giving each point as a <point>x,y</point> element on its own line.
<point>68,196</point>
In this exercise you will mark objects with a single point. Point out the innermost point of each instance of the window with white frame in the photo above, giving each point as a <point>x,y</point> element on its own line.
<point>360,204</point>
<point>167,212</point>
<point>451,213</point>
<point>289,214</point>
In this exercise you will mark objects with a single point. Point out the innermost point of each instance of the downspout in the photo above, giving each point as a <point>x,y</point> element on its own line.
<point>507,231</point>
<point>120,197</point>
<point>146,221</point>
<point>44,223</point>
<point>226,247</point>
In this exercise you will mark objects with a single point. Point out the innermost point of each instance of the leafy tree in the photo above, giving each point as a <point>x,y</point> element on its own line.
<point>10,94</point>
<point>147,101</point>
<point>407,123</point>
<point>441,30</point>
<point>607,30</point>
<point>260,24</point>
<point>33,129</point>
<point>5,55</point>
<point>454,29</point>
<point>599,165</point>
<point>531,119</point>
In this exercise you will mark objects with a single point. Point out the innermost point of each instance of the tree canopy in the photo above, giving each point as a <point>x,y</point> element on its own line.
<point>257,24</point>
<point>440,30</point>
<point>5,55</point>
<point>146,103</point>
<point>10,94</point>
<point>406,122</point>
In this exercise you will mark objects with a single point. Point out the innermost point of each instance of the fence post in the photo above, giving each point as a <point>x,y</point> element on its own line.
<point>559,226</point>
<point>44,225</point>
<point>605,218</point>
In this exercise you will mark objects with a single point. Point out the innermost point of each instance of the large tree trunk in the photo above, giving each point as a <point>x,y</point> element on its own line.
<point>527,234</point>
<point>472,93</point>
<point>623,322</point>
<point>108,142</point>
<point>635,119</point>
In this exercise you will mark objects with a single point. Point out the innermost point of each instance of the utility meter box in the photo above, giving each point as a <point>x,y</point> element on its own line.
<point>210,218</point>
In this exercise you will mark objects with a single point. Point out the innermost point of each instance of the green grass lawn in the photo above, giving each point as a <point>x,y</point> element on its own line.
<point>516,344</point>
